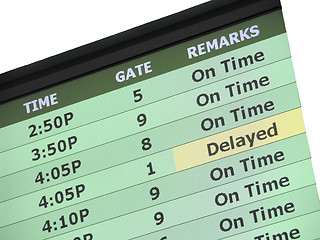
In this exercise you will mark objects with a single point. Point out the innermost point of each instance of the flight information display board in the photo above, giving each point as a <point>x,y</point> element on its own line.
<point>199,140</point>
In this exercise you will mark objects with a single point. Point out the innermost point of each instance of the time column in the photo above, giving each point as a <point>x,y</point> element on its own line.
<point>17,181</point>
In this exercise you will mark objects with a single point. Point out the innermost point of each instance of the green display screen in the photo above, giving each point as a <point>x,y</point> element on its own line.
<point>200,140</point>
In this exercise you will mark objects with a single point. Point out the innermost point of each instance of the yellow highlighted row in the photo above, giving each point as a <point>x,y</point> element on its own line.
<point>239,139</point>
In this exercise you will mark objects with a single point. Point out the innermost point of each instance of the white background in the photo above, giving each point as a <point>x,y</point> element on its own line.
<point>35,29</point>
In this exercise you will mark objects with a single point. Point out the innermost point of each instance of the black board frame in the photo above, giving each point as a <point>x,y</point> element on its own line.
<point>130,44</point>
